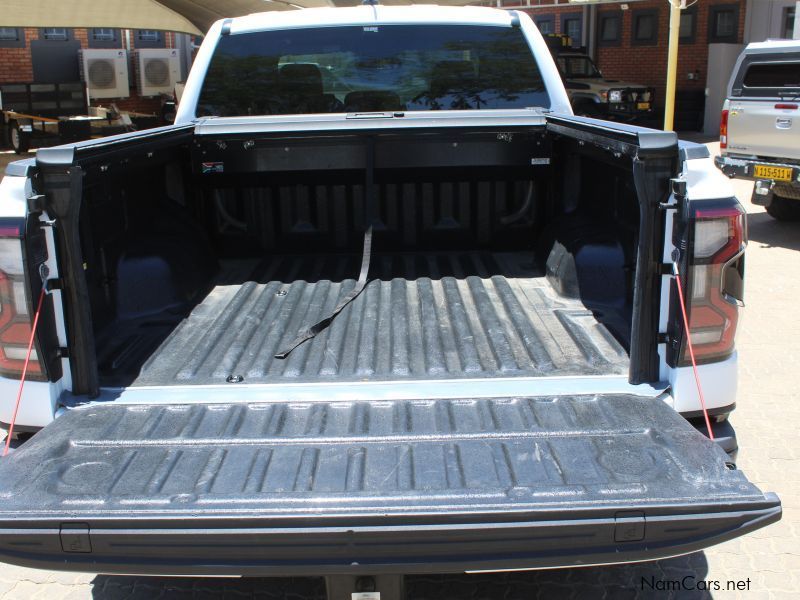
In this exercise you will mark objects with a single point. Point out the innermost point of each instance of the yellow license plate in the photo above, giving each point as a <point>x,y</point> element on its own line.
<point>643,105</point>
<point>769,172</point>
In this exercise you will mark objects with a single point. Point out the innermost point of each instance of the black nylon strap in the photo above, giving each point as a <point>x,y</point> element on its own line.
<point>320,326</point>
<point>361,283</point>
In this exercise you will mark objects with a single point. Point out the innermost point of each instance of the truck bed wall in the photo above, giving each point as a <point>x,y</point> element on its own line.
<point>161,227</point>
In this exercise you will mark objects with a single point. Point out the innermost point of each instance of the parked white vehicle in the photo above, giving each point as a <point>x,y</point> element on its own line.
<point>503,383</point>
<point>760,126</point>
<point>593,95</point>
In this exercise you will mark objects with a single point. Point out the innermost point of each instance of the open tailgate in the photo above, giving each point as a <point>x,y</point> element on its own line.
<point>359,487</point>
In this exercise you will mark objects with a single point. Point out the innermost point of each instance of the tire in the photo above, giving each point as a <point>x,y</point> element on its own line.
<point>784,209</point>
<point>18,139</point>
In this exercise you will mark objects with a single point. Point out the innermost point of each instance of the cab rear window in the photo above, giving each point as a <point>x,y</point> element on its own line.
<point>372,68</point>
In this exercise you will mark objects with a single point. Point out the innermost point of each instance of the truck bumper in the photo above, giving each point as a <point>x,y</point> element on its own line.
<point>764,189</point>
<point>744,168</point>
<point>624,112</point>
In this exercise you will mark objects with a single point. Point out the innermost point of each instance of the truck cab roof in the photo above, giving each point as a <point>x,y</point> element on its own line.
<point>372,14</point>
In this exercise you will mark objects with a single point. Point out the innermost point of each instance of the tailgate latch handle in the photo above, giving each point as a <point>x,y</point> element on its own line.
<point>75,537</point>
<point>629,526</point>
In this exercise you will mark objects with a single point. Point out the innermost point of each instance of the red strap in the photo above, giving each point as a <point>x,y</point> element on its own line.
<point>24,370</point>
<point>691,352</point>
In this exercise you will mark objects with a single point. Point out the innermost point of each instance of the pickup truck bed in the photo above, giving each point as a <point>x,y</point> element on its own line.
<point>422,316</point>
<point>504,394</point>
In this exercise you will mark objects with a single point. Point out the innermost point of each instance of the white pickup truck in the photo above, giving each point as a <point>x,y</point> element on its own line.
<point>377,303</point>
<point>760,126</point>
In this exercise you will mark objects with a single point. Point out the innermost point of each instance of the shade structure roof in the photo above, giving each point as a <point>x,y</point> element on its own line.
<point>185,16</point>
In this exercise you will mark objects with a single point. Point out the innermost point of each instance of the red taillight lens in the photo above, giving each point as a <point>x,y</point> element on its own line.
<point>15,318</point>
<point>723,130</point>
<point>715,278</point>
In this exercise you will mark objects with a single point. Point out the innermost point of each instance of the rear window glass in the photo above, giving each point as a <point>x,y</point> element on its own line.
<point>773,75</point>
<point>371,68</point>
<point>768,76</point>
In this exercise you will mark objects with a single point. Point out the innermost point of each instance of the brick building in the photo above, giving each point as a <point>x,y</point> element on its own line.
<point>629,40</point>
<point>631,44</point>
<point>50,55</point>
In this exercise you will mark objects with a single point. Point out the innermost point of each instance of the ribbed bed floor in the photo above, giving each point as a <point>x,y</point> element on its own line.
<point>468,315</point>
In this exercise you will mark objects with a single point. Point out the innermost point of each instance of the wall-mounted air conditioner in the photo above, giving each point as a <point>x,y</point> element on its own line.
<point>157,71</point>
<point>105,73</point>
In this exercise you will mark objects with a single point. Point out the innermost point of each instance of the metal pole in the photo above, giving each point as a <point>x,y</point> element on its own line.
<point>672,62</point>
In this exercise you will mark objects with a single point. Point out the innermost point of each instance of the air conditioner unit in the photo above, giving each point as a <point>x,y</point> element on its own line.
<point>157,71</point>
<point>105,73</point>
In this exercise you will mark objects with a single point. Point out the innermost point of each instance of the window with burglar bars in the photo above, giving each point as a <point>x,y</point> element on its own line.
<point>55,34</point>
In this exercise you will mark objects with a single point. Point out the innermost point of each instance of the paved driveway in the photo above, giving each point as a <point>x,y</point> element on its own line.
<point>766,420</point>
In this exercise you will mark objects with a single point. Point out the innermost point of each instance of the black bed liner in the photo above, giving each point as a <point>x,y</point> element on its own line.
<point>381,486</point>
<point>445,315</point>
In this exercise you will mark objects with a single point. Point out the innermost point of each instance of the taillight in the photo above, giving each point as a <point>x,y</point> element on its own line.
<point>15,317</point>
<point>723,130</point>
<point>715,278</point>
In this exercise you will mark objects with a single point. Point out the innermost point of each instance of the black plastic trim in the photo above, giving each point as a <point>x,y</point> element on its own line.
<point>712,412</point>
<point>20,428</point>
<point>627,139</point>
<point>107,148</point>
<point>647,176</point>
<point>46,339</point>
<point>64,190</point>
<point>253,548</point>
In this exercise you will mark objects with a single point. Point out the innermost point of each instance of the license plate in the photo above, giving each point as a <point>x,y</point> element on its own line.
<point>643,105</point>
<point>776,173</point>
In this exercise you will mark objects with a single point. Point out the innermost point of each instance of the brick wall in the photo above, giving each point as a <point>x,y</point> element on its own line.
<point>648,64</point>
<point>16,67</point>
<point>15,63</point>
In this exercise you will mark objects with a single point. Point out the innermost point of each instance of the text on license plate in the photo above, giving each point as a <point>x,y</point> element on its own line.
<point>769,172</point>
<point>643,106</point>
